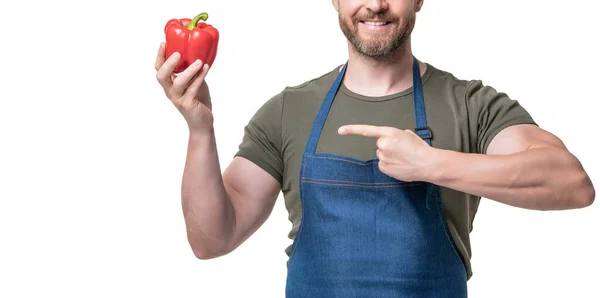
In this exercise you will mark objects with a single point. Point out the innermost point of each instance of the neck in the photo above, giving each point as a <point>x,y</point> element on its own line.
<point>379,77</point>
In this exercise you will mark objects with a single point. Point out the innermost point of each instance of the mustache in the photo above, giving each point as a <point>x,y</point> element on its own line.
<point>380,16</point>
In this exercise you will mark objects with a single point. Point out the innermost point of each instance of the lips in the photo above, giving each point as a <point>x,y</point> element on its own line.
<point>374,23</point>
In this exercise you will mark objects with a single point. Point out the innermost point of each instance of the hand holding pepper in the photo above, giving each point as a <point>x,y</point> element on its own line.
<point>188,90</point>
<point>191,48</point>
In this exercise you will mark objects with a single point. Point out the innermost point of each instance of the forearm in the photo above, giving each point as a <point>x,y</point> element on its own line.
<point>208,212</point>
<point>538,178</point>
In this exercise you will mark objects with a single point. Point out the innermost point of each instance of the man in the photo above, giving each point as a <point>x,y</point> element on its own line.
<point>382,162</point>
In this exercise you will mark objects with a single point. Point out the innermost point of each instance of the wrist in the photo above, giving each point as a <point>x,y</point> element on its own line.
<point>201,133</point>
<point>437,167</point>
<point>201,136</point>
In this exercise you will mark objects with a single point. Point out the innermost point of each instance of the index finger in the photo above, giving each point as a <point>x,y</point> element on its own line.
<point>365,130</point>
<point>165,75</point>
<point>160,56</point>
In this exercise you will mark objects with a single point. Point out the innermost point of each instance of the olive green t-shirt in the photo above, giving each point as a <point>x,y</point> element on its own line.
<point>464,116</point>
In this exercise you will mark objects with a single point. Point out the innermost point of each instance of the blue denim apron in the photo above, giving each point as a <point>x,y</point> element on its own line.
<point>366,234</point>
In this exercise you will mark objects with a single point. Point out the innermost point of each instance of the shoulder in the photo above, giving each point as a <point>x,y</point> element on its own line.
<point>470,92</point>
<point>312,87</point>
<point>296,99</point>
<point>448,83</point>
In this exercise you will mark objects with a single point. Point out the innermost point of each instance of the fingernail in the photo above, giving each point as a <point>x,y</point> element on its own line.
<point>197,63</point>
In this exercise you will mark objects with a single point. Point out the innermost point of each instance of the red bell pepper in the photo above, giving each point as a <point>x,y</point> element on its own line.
<point>193,40</point>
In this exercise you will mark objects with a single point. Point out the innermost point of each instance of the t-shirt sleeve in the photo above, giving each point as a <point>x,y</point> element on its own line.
<point>492,111</point>
<point>261,143</point>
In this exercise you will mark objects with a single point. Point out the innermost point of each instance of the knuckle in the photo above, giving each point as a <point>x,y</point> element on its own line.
<point>379,155</point>
<point>162,76</point>
<point>176,84</point>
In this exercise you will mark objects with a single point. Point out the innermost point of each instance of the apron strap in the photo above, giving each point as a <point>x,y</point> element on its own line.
<point>421,128</point>
<point>313,139</point>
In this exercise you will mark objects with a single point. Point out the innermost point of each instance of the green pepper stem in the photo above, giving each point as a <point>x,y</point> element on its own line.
<point>203,16</point>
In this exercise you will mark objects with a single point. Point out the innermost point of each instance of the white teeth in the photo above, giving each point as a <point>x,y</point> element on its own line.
<point>375,23</point>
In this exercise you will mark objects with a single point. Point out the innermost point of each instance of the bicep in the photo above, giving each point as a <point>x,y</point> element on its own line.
<point>252,192</point>
<point>521,137</point>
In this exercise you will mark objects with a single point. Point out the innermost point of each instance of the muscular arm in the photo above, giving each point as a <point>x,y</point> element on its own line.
<point>222,211</point>
<point>525,166</point>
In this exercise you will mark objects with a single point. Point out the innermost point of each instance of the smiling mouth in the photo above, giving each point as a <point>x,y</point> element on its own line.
<point>371,23</point>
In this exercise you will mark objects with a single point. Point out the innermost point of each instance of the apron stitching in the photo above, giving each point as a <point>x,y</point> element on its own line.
<point>357,185</point>
<point>297,237</point>
<point>341,159</point>
<point>364,183</point>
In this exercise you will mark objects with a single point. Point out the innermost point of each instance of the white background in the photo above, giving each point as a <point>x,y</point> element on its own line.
<point>92,152</point>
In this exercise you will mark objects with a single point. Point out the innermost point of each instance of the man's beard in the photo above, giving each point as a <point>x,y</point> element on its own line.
<point>377,46</point>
